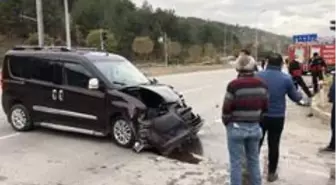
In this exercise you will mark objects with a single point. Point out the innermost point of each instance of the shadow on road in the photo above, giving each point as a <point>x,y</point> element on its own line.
<point>189,152</point>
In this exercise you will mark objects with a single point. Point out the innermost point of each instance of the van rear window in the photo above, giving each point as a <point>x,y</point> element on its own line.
<point>20,67</point>
<point>35,68</point>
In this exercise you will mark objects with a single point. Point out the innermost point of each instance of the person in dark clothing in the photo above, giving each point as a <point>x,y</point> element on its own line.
<point>331,95</point>
<point>316,65</point>
<point>287,61</point>
<point>263,63</point>
<point>295,70</point>
<point>279,85</point>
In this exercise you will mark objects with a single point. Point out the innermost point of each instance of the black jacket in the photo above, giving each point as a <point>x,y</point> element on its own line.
<point>317,64</point>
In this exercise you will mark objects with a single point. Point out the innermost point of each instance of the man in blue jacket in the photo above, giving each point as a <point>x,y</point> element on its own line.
<point>331,95</point>
<point>279,85</point>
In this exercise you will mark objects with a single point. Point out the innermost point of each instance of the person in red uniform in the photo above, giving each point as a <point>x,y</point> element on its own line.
<point>316,65</point>
<point>295,70</point>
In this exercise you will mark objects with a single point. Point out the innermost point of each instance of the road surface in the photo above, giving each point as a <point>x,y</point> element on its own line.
<point>47,157</point>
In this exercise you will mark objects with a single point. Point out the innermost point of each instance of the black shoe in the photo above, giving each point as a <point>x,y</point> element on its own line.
<point>327,149</point>
<point>272,177</point>
<point>310,115</point>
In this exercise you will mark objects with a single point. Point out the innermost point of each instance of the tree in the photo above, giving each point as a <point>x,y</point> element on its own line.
<point>195,52</point>
<point>174,49</point>
<point>59,42</point>
<point>93,40</point>
<point>79,38</point>
<point>126,22</point>
<point>209,50</point>
<point>143,45</point>
<point>33,39</point>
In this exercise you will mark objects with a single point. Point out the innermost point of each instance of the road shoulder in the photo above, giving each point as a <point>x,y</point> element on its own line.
<point>325,117</point>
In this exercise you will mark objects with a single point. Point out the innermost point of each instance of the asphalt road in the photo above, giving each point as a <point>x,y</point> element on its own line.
<point>47,157</point>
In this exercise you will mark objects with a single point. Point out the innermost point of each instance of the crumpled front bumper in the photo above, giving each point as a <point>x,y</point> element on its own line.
<point>194,121</point>
<point>174,128</point>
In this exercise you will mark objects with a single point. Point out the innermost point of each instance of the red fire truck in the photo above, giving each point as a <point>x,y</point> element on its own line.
<point>303,52</point>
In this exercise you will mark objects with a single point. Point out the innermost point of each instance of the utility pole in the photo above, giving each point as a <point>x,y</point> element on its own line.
<point>40,27</point>
<point>257,34</point>
<point>224,42</point>
<point>256,45</point>
<point>165,40</point>
<point>280,47</point>
<point>67,24</point>
<point>101,40</point>
<point>231,40</point>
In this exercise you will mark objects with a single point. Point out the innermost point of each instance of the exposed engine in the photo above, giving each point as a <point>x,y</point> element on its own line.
<point>168,121</point>
<point>155,104</point>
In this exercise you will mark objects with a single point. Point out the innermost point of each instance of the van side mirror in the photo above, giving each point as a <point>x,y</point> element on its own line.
<point>93,83</point>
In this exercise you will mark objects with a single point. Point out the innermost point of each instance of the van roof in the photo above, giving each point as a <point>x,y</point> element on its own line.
<point>92,56</point>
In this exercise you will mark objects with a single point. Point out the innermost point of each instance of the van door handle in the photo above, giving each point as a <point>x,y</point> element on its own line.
<point>60,95</point>
<point>54,94</point>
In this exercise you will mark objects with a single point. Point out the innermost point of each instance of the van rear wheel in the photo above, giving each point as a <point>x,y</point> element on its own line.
<point>19,118</point>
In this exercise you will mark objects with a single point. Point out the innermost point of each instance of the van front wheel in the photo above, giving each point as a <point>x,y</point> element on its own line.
<point>122,132</point>
<point>19,118</point>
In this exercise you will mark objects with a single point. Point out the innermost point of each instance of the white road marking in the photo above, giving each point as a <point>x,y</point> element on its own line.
<point>9,136</point>
<point>196,89</point>
<point>317,173</point>
<point>218,121</point>
<point>201,132</point>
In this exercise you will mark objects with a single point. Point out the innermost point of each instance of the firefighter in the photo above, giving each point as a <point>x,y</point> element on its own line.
<point>295,70</point>
<point>316,65</point>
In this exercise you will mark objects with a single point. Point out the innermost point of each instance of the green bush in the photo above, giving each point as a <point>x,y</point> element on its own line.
<point>33,39</point>
<point>93,40</point>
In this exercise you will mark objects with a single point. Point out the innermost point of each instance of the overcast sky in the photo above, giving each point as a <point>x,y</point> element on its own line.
<point>279,16</point>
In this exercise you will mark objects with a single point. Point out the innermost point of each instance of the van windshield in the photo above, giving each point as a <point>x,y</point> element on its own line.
<point>121,72</point>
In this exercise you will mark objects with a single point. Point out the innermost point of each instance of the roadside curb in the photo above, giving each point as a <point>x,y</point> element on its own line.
<point>325,119</point>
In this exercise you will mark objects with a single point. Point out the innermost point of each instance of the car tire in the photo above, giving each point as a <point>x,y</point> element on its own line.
<point>122,132</point>
<point>19,118</point>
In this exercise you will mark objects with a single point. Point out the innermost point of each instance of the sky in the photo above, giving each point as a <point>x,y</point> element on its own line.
<point>286,17</point>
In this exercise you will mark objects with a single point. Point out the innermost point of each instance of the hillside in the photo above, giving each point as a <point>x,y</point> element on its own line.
<point>132,31</point>
<point>247,35</point>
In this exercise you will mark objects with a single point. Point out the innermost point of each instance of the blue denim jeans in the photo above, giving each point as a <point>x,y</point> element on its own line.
<point>244,137</point>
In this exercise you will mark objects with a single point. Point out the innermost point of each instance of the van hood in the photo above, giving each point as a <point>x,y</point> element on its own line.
<point>166,92</point>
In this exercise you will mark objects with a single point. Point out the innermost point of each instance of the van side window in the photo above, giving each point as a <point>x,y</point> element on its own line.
<point>42,69</point>
<point>20,67</point>
<point>76,75</point>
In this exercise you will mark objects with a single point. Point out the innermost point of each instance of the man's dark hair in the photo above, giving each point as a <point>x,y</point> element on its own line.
<point>247,52</point>
<point>275,59</point>
<point>315,54</point>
